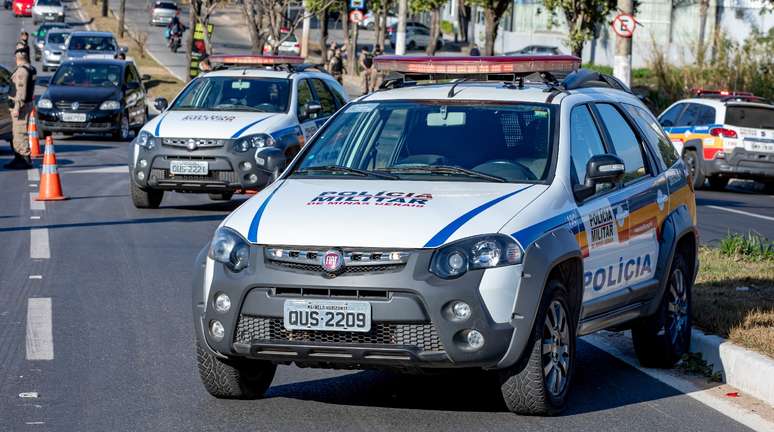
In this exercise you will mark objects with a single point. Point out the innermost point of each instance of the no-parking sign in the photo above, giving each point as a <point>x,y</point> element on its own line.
<point>624,24</point>
<point>356,16</point>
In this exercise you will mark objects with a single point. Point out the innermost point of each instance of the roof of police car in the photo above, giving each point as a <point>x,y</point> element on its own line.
<point>259,73</point>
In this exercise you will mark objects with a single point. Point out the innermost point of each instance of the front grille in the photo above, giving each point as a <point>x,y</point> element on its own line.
<point>331,293</point>
<point>195,142</point>
<point>354,260</point>
<point>315,268</point>
<point>82,106</point>
<point>255,329</point>
<point>217,176</point>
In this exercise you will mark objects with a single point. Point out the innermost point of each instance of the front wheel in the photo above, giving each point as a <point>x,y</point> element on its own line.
<point>691,160</point>
<point>662,339</point>
<point>145,198</point>
<point>122,133</point>
<point>233,378</point>
<point>539,383</point>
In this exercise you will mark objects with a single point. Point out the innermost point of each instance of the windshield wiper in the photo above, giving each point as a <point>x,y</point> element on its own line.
<point>444,169</point>
<point>346,170</point>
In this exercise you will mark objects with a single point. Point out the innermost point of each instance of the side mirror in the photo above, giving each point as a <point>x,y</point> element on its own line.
<point>123,49</point>
<point>312,108</point>
<point>145,77</point>
<point>606,168</point>
<point>161,103</point>
<point>270,159</point>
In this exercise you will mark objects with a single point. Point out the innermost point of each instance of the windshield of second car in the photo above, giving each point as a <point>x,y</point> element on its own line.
<point>92,43</point>
<point>87,75</point>
<point>57,37</point>
<point>49,3</point>
<point>435,141</point>
<point>235,94</point>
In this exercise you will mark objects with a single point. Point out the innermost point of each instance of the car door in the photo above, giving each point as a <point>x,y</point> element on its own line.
<point>5,89</point>
<point>304,96</point>
<point>134,95</point>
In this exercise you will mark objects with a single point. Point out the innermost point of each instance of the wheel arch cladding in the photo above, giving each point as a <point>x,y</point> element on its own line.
<point>554,253</point>
<point>696,145</point>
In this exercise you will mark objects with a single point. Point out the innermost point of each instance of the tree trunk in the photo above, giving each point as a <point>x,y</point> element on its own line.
<point>491,25</point>
<point>104,8</point>
<point>248,8</point>
<point>435,30</point>
<point>463,16</point>
<point>324,36</point>
<point>382,34</point>
<point>700,46</point>
<point>122,11</point>
<point>352,51</point>
<point>193,12</point>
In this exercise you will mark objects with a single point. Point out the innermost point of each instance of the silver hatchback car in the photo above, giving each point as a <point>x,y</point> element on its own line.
<point>163,12</point>
<point>54,47</point>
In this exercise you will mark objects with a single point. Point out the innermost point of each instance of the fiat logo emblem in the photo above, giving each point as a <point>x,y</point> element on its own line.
<point>191,144</point>
<point>75,106</point>
<point>333,261</point>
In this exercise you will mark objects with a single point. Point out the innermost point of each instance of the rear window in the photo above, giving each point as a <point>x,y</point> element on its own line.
<point>750,116</point>
<point>92,43</point>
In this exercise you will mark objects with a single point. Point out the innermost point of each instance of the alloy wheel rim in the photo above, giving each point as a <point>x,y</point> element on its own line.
<point>677,308</point>
<point>124,127</point>
<point>555,352</point>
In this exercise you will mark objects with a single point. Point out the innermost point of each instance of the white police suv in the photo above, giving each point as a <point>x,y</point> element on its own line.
<point>484,219</point>
<point>231,130</point>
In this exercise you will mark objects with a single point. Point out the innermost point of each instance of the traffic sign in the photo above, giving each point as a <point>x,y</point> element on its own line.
<point>624,25</point>
<point>356,16</point>
<point>357,4</point>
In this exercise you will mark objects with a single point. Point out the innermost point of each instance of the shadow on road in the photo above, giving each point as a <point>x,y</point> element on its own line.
<point>136,221</point>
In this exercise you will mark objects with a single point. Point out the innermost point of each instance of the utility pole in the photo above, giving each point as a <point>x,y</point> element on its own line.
<point>400,37</point>
<point>104,8</point>
<point>122,10</point>
<point>306,24</point>
<point>622,68</point>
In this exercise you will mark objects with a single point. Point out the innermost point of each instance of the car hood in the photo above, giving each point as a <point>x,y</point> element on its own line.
<point>376,213</point>
<point>212,124</point>
<point>82,94</point>
<point>54,47</point>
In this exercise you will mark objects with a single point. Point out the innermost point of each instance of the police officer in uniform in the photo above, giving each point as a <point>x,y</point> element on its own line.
<point>336,65</point>
<point>23,43</point>
<point>21,105</point>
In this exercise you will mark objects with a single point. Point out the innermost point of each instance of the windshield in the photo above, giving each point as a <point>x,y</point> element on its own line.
<point>235,94</point>
<point>165,5</point>
<point>57,37</point>
<point>750,116</point>
<point>88,75</point>
<point>435,141</point>
<point>49,3</point>
<point>92,43</point>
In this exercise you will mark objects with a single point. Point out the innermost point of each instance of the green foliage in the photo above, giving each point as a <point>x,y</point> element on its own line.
<point>582,18</point>
<point>751,246</point>
<point>694,364</point>
<point>419,6</point>
<point>447,27</point>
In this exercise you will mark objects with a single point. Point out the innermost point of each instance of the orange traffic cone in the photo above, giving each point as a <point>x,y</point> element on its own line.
<point>32,132</point>
<point>50,186</point>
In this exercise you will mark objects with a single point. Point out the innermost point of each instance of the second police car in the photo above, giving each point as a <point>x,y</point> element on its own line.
<point>484,223</point>
<point>231,130</point>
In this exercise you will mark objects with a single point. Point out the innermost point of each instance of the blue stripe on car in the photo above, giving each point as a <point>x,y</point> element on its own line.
<point>450,229</point>
<point>252,232</point>
<point>158,124</point>
<point>240,131</point>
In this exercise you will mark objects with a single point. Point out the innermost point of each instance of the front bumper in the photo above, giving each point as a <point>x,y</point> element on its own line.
<point>52,61</point>
<point>741,163</point>
<point>97,121</point>
<point>53,17</point>
<point>410,328</point>
<point>161,20</point>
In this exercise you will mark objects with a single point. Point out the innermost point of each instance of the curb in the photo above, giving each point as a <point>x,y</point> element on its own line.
<point>746,370</point>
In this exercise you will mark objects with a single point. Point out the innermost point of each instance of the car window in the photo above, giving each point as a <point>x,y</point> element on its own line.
<point>750,116</point>
<point>91,43</point>
<point>669,118</point>
<point>304,97</point>
<point>690,117</point>
<point>654,135</point>
<point>624,141</point>
<point>131,75</point>
<point>235,93</point>
<point>585,141</point>
<point>57,37</point>
<point>706,115</point>
<point>325,97</point>
<point>87,75</point>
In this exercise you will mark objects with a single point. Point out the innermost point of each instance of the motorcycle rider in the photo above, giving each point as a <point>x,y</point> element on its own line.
<point>175,28</point>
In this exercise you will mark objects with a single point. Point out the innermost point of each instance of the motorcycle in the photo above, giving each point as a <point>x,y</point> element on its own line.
<point>175,41</point>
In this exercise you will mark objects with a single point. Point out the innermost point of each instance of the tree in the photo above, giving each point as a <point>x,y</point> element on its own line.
<point>200,13</point>
<point>275,21</point>
<point>493,13</point>
<point>434,8</point>
<point>582,18</point>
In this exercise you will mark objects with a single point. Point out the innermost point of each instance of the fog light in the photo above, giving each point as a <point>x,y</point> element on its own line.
<point>474,338</point>
<point>246,166</point>
<point>140,175</point>
<point>252,178</point>
<point>461,310</point>
<point>222,303</point>
<point>216,330</point>
<point>143,163</point>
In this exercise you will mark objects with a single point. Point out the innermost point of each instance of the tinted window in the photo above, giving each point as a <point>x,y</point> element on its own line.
<point>92,43</point>
<point>654,135</point>
<point>131,75</point>
<point>750,116</point>
<point>221,93</point>
<point>166,5</point>
<point>88,75</point>
<point>325,98</point>
<point>585,141</point>
<point>624,141</point>
<point>49,3</point>
<point>669,118</point>
<point>304,97</point>
<point>57,37</point>
<point>690,117</point>
<point>706,115</point>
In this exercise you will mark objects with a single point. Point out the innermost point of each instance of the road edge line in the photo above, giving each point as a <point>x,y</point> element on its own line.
<point>741,212</point>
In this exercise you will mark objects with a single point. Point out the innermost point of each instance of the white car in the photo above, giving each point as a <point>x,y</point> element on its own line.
<point>416,38</point>
<point>370,21</point>
<point>458,224</point>
<point>231,130</point>
<point>48,10</point>
<point>290,46</point>
<point>162,13</point>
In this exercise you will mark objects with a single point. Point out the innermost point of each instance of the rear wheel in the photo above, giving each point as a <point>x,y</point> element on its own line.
<point>539,383</point>
<point>233,378</point>
<point>718,183</point>
<point>692,161</point>
<point>224,196</point>
<point>145,198</point>
<point>662,339</point>
<point>122,133</point>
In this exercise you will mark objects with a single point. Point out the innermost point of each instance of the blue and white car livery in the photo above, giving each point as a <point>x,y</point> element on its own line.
<point>474,223</point>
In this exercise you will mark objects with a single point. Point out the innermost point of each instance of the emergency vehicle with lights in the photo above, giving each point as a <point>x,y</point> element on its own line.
<point>477,212</point>
<point>233,129</point>
<point>723,135</point>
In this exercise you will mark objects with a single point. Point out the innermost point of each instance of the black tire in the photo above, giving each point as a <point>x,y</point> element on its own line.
<point>768,187</point>
<point>224,196</point>
<point>233,379</point>
<point>692,162</point>
<point>145,198</point>
<point>124,130</point>
<point>525,386</point>
<point>438,45</point>
<point>718,183</point>
<point>411,46</point>
<point>662,339</point>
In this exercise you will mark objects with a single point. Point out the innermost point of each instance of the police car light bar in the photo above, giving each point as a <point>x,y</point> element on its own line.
<point>521,65</point>
<point>255,60</point>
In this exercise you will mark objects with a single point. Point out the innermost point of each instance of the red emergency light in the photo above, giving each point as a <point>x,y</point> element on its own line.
<point>255,60</point>
<point>520,65</point>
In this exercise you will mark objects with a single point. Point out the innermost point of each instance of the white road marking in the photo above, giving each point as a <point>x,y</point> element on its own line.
<point>34,217</point>
<point>36,276</point>
<point>744,416</point>
<point>755,215</point>
<point>29,395</point>
<point>33,185</point>
<point>39,248</point>
<point>35,423</point>
<point>33,174</point>
<point>34,204</point>
<point>103,170</point>
<point>40,335</point>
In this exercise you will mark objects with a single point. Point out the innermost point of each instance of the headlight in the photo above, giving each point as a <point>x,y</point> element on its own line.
<point>253,142</point>
<point>145,140</point>
<point>230,248</point>
<point>60,13</point>
<point>47,52</point>
<point>45,103</point>
<point>473,253</point>
<point>110,105</point>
